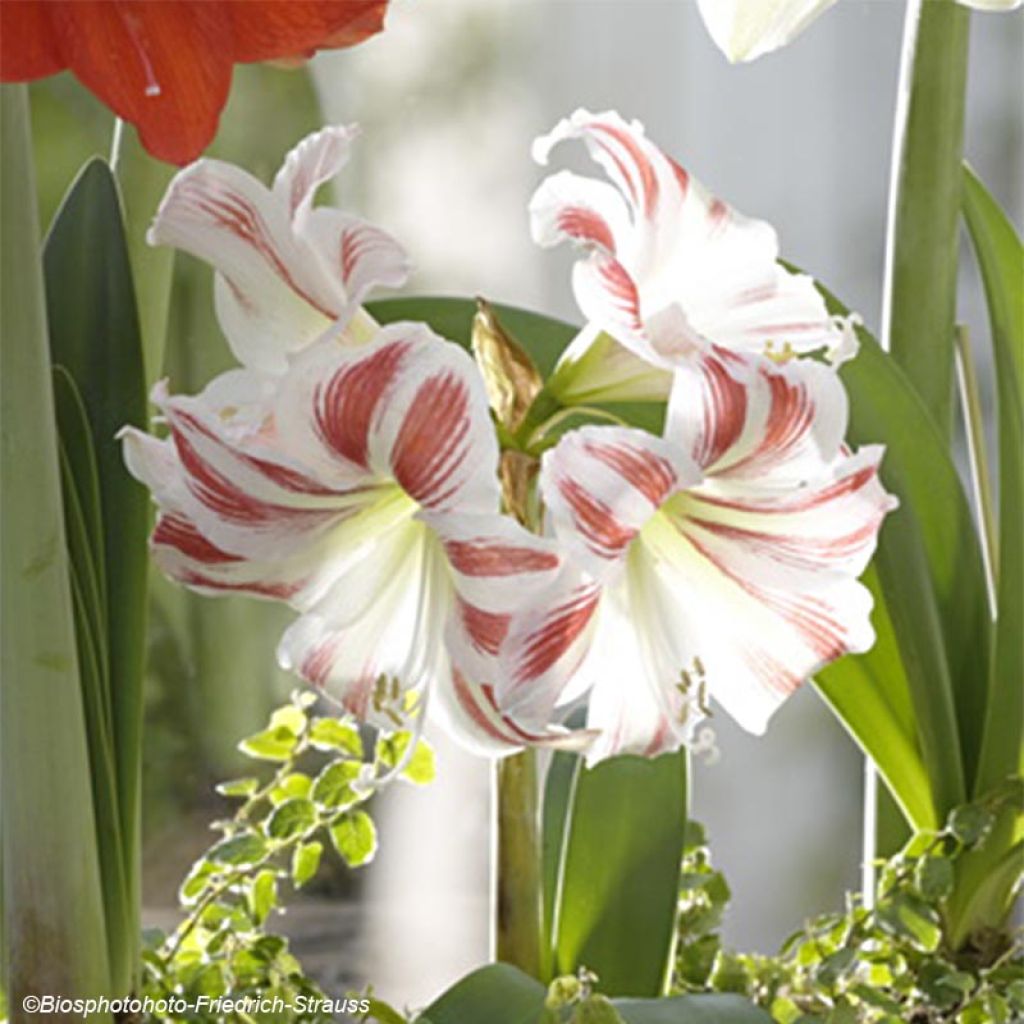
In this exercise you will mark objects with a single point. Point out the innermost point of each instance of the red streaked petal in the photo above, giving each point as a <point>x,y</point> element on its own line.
<point>315,160</point>
<point>347,404</point>
<point>602,484</point>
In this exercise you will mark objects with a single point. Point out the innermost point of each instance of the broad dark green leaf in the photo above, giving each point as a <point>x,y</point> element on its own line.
<point>500,994</point>
<point>543,337</point>
<point>94,338</point>
<point>1001,259</point>
<point>497,994</point>
<point>620,873</point>
<point>711,1009</point>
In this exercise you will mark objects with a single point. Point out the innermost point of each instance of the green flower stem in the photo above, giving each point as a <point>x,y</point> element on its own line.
<point>920,295</point>
<point>143,181</point>
<point>518,896</point>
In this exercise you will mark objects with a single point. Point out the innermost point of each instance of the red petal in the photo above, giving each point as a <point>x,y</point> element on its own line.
<point>266,30</point>
<point>28,49</point>
<point>162,65</point>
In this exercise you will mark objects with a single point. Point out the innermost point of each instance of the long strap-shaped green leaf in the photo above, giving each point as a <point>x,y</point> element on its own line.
<point>986,878</point>
<point>614,903</point>
<point>54,926</point>
<point>1001,259</point>
<point>94,338</point>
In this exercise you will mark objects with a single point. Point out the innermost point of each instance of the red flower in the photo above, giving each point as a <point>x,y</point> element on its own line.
<point>165,65</point>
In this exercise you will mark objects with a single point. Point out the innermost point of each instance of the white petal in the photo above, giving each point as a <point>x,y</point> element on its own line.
<point>315,160</point>
<point>408,407</point>
<point>602,484</point>
<point>360,255</point>
<point>749,420</point>
<point>383,619</point>
<point>745,29</point>
<point>272,295</point>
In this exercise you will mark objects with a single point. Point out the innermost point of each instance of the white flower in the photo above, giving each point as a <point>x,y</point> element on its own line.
<point>367,498</point>
<point>719,560</point>
<point>669,269</point>
<point>286,271</point>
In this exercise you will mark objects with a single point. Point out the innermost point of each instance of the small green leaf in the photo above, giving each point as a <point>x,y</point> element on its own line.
<point>970,823</point>
<point>195,881</point>
<point>292,818</point>
<point>277,744</point>
<point>295,784</point>
<point>305,862</point>
<point>933,877</point>
<point>598,1009</point>
<point>263,895</point>
<point>333,786</point>
<point>332,734</point>
<point>238,787</point>
<point>355,838</point>
<point>422,767</point>
<point>237,850</point>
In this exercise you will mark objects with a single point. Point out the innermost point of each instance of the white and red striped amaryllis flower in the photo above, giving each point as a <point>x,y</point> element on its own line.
<point>720,559</point>
<point>286,270</point>
<point>368,500</point>
<point>669,269</point>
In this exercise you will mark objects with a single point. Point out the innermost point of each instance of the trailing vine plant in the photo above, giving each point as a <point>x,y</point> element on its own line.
<point>887,964</point>
<point>315,799</point>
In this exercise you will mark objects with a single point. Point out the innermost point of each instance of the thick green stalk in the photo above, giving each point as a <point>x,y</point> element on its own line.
<point>518,897</point>
<point>52,904</point>
<point>920,307</point>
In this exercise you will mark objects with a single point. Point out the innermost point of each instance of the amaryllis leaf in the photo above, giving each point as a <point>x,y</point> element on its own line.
<point>1001,259</point>
<point>559,785</point>
<point>616,896</point>
<point>94,337</point>
<point>501,994</point>
<point>930,569</point>
<point>52,894</point>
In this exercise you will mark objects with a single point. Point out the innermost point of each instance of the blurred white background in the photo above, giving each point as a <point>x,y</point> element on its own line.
<point>450,98</point>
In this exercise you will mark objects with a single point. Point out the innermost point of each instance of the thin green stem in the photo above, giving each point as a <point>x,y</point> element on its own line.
<point>981,477</point>
<point>518,896</point>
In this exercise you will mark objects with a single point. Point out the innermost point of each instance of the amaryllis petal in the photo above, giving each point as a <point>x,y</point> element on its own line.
<point>746,29</point>
<point>286,272</point>
<point>601,484</point>
<point>685,271</point>
<point>28,49</point>
<point>172,78</point>
<point>378,633</point>
<point>407,406</point>
<point>267,29</point>
<point>166,65</point>
<point>748,419</point>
